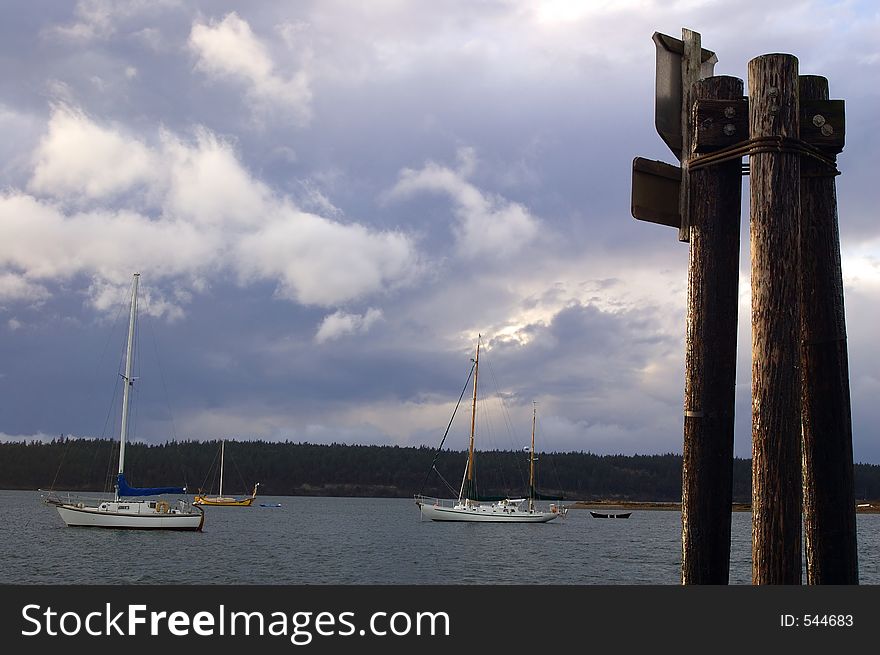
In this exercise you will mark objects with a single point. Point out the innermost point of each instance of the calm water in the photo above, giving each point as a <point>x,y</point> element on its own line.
<point>364,541</point>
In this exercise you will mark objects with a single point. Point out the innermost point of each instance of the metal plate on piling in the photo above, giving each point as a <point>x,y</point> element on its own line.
<point>655,192</point>
<point>668,87</point>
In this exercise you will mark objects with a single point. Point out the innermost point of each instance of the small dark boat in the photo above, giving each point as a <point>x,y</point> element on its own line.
<point>270,504</point>
<point>600,515</point>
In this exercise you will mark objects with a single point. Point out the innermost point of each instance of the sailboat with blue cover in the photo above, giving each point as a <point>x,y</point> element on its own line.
<point>122,512</point>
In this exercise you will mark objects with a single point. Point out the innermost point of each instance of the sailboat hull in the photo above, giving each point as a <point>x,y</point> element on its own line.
<point>483,514</point>
<point>223,502</point>
<point>94,517</point>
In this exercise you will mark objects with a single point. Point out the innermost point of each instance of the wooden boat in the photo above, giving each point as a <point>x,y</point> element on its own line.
<point>225,501</point>
<point>602,515</point>
<point>467,507</point>
<point>121,512</point>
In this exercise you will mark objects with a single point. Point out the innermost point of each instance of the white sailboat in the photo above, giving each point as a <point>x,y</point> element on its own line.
<point>122,512</point>
<point>467,507</point>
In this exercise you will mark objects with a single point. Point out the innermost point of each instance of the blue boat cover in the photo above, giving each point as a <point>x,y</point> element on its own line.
<point>125,490</point>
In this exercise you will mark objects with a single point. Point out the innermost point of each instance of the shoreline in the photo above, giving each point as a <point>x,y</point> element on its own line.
<point>862,507</point>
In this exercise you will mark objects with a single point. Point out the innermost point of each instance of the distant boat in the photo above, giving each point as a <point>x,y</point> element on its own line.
<point>601,515</point>
<point>120,512</point>
<point>270,504</point>
<point>225,501</point>
<point>467,507</point>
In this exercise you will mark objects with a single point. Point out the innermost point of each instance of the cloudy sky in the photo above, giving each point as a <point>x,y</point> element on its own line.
<point>328,201</point>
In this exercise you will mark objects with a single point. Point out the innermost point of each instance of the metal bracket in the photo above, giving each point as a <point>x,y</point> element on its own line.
<point>720,123</point>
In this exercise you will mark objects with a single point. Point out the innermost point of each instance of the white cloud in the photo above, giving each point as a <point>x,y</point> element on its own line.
<point>39,436</point>
<point>203,212</point>
<point>78,157</point>
<point>98,19</point>
<point>488,225</point>
<point>16,288</point>
<point>106,296</point>
<point>44,243</point>
<point>339,324</point>
<point>320,262</point>
<point>207,184</point>
<point>94,20</point>
<point>229,49</point>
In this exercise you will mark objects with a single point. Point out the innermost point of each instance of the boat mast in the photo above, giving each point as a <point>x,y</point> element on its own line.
<point>222,448</point>
<point>127,378</point>
<point>532,461</point>
<point>470,466</point>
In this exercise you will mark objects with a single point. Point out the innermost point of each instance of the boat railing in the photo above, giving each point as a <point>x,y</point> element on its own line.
<point>72,498</point>
<point>435,502</point>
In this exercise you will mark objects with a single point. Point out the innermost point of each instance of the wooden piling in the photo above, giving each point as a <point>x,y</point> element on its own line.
<point>710,357</point>
<point>776,415</point>
<point>829,496</point>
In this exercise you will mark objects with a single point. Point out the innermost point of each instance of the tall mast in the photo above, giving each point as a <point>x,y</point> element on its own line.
<point>222,448</point>
<point>532,461</point>
<point>127,378</point>
<point>470,466</point>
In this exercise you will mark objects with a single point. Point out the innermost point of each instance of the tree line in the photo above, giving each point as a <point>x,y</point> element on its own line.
<point>305,469</point>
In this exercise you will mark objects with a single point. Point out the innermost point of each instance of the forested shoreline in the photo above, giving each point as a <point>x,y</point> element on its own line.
<point>303,469</point>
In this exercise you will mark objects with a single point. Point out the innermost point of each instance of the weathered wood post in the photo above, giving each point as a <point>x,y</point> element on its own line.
<point>710,351</point>
<point>691,67</point>
<point>829,496</point>
<point>776,415</point>
<point>704,204</point>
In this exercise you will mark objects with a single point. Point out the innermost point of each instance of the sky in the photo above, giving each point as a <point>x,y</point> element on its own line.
<point>328,201</point>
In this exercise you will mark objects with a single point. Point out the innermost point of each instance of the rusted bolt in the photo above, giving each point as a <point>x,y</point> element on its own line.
<point>827,130</point>
<point>773,92</point>
<point>729,112</point>
<point>707,123</point>
<point>729,129</point>
<point>818,120</point>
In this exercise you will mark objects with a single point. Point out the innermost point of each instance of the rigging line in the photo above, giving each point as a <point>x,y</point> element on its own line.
<point>511,431</point>
<point>135,402</point>
<point>162,377</point>
<point>449,425</point>
<point>210,472</point>
<point>113,444</point>
<point>165,392</point>
<point>240,476</point>
<point>555,473</point>
<point>109,479</point>
<point>63,454</point>
<point>100,360</point>
<point>448,486</point>
<point>493,459</point>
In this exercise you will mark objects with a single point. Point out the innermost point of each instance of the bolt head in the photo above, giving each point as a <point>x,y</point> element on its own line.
<point>818,120</point>
<point>729,112</point>
<point>729,129</point>
<point>827,130</point>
